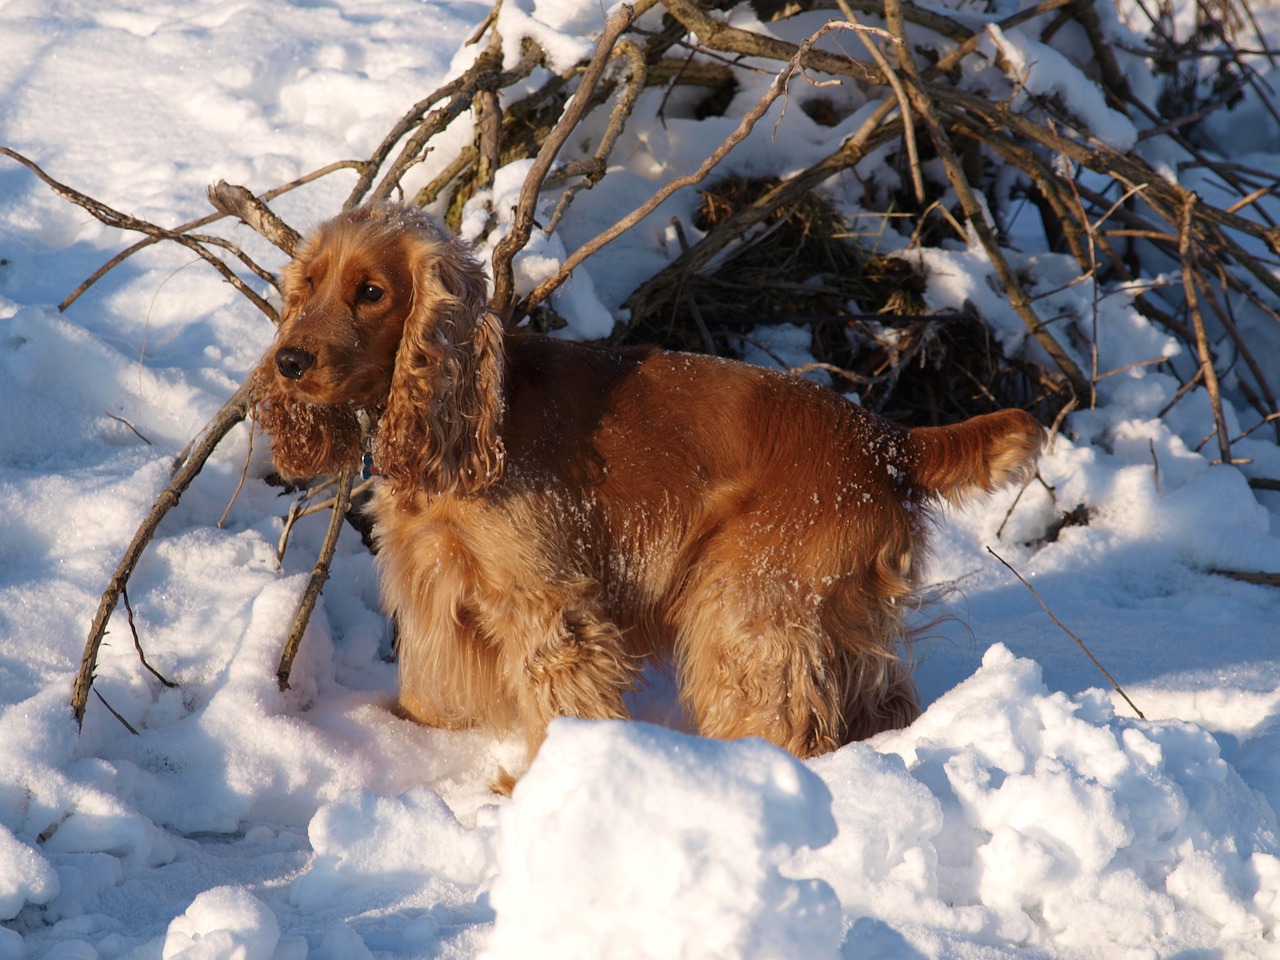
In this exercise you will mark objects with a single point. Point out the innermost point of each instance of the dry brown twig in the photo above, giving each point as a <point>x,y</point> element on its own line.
<point>236,201</point>
<point>1209,374</point>
<point>590,170</point>
<point>503,284</point>
<point>1061,626</point>
<point>319,576</point>
<point>114,218</point>
<point>974,212</point>
<point>232,412</point>
<point>304,507</point>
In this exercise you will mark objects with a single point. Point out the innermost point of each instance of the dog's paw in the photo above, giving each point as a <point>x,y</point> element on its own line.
<point>504,783</point>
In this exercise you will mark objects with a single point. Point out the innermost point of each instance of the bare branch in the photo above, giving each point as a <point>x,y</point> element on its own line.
<point>1209,374</point>
<point>592,169</point>
<point>1083,646</point>
<point>232,412</point>
<point>137,642</point>
<point>504,253</point>
<point>122,221</point>
<point>740,133</point>
<point>236,201</point>
<point>718,35</point>
<point>319,576</point>
<point>975,213</point>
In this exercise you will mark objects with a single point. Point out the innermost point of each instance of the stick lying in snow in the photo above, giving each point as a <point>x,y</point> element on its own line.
<point>232,412</point>
<point>1062,627</point>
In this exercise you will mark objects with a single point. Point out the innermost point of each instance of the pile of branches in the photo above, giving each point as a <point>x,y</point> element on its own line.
<point>950,142</point>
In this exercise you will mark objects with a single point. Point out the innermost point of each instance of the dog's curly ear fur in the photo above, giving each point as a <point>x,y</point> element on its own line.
<point>440,429</point>
<point>307,440</point>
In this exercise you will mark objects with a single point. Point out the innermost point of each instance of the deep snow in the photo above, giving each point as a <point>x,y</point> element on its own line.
<point>1026,813</point>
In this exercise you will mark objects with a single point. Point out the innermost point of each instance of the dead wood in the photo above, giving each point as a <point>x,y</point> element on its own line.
<point>237,201</point>
<point>319,576</point>
<point>503,286</point>
<point>1189,285</point>
<point>1259,577</point>
<point>232,413</point>
<point>1061,626</point>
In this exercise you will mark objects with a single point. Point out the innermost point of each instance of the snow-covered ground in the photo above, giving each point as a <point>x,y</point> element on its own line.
<point>1027,812</point>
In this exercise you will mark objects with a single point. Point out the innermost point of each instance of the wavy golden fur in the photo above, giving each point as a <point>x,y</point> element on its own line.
<point>551,515</point>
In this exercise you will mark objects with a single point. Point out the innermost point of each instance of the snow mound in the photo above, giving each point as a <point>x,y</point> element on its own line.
<point>1035,818</point>
<point>627,840</point>
<point>222,924</point>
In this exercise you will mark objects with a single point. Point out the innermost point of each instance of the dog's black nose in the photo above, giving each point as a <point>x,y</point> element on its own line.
<point>293,362</point>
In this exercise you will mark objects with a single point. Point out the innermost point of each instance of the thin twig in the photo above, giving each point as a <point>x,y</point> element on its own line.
<point>975,213</point>
<point>137,642</point>
<point>908,126</point>
<point>1226,282</point>
<point>116,713</point>
<point>319,576</point>
<point>244,473</point>
<point>718,35</point>
<point>1259,577</point>
<point>1013,506</point>
<point>135,430</point>
<point>127,252</point>
<point>740,133</point>
<point>1197,320</point>
<point>484,75</point>
<point>1062,627</point>
<point>122,221</point>
<point>592,169</point>
<point>855,378</point>
<point>412,118</point>
<point>236,201</point>
<point>297,511</point>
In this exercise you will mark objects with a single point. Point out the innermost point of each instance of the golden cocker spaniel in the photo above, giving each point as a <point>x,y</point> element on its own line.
<point>550,515</point>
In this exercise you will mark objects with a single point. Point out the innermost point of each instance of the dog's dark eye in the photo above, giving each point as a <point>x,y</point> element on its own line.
<point>368,293</point>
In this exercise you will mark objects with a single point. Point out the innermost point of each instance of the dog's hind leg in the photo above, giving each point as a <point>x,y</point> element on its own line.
<point>751,660</point>
<point>562,657</point>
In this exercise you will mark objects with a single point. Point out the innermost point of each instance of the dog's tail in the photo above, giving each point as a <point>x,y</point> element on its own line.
<point>980,454</point>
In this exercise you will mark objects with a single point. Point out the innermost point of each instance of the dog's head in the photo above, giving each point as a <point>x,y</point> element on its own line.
<point>384,312</point>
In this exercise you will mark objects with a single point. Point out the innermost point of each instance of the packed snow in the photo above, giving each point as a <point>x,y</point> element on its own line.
<point>1028,812</point>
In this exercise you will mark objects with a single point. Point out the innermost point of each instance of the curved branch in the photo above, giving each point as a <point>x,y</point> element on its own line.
<point>232,412</point>
<point>592,169</point>
<point>122,221</point>
<point>236,201</point>
<point>1186,225</point>
<point>485,74</point>
<point>718,35</point>
<point>127,252</point>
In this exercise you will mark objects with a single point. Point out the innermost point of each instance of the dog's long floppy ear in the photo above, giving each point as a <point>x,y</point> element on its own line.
<point>307,440</point>
<point>440,429</point>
